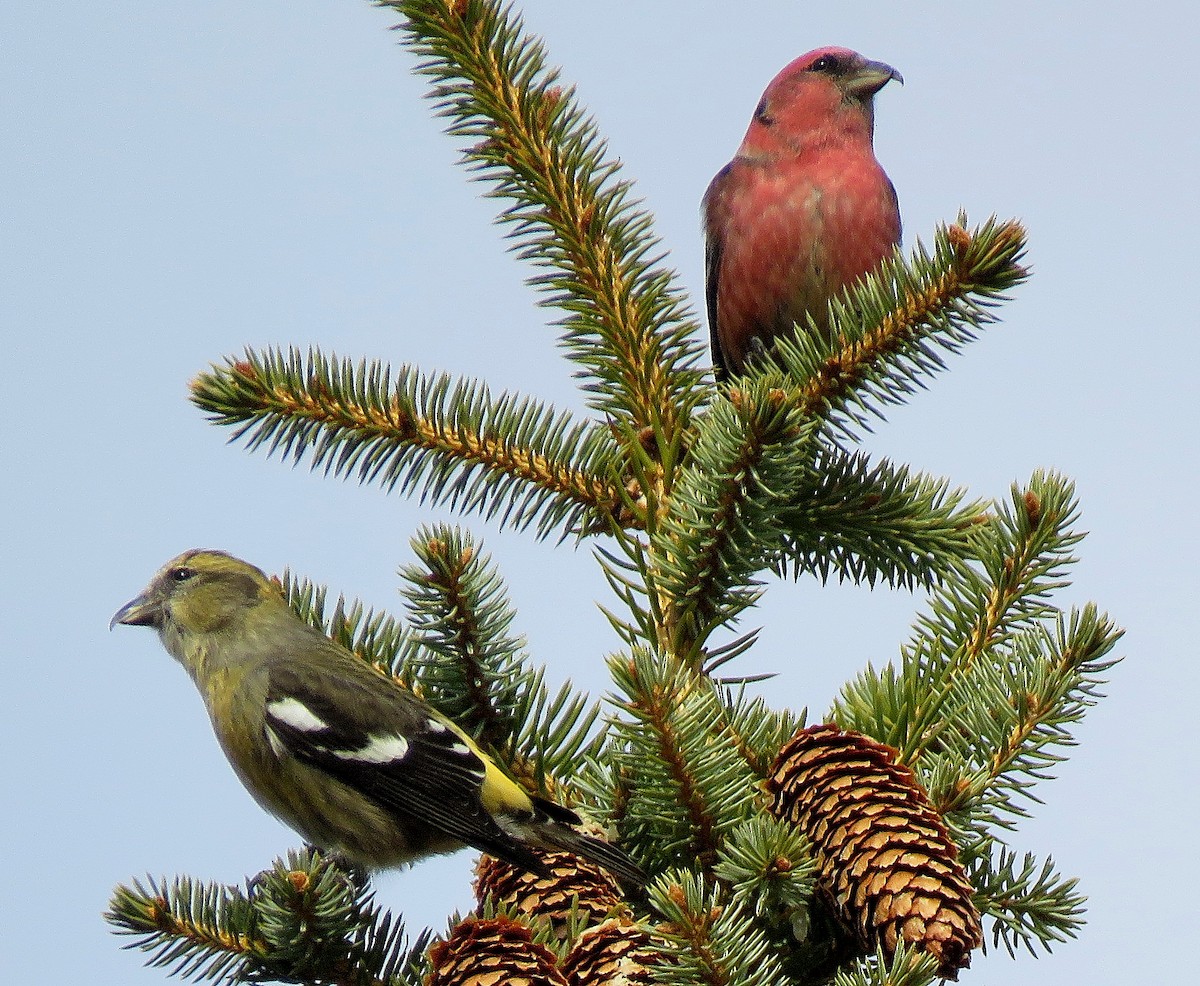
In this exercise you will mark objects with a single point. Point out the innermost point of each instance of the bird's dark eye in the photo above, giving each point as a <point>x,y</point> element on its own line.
<point>182,573</point>
<point>826,63</point>
<point>762,113</point>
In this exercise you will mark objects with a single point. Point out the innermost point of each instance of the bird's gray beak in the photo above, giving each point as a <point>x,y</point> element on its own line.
<point>869,77</point>
<point>141,611</point>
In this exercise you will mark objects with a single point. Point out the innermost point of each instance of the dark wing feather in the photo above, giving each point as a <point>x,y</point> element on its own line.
<point>436,782</point>
<point>895,205</point>
<point>556,812</point>
<point>713,223</point>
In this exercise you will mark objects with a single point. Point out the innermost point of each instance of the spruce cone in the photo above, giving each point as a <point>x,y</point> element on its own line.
<point>492,952</point>
<point>615,953</point>
<point>570,882</point>
<point>886,860</point>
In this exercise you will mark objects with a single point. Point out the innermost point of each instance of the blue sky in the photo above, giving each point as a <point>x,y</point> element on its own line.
<point>184,180</point>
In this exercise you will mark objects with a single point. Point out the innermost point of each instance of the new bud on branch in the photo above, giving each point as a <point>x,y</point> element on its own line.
<point>803,210</point>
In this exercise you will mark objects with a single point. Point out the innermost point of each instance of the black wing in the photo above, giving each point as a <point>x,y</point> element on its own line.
<point>381,741</point>
<point>712,266</point>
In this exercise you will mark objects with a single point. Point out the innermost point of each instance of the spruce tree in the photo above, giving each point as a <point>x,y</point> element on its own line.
<point>870,847</point>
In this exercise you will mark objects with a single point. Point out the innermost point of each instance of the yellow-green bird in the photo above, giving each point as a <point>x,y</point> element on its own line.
<point>346,757</point>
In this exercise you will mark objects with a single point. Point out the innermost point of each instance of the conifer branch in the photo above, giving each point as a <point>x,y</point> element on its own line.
<point>871,523</point>
<point>692,783</point>
<point>459,609</point>
<point>628,575</point>
<point>721,523</point>
<point>907,967</point>
<point>304,920</point>
<point>1030,905</point>
<point>756,730</point>
<point>1015,730</point>
<point>473,670</point>
<point>513,459</point>
<point>769,867</point>
<point>1023,553</point>
<point>1031,549</point>
<point>627,324</point>
<point>708,941</point>
<point>889,325</point>
<point>188,928</point>
<point>374,636</point>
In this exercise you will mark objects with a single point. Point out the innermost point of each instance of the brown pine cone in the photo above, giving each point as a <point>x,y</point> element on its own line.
<point>885,858</point>
<point>492,952</point>
<point>615,953</point>
<point>571,882</point>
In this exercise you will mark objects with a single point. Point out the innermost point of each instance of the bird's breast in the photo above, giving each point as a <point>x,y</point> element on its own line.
<point>795,233</point>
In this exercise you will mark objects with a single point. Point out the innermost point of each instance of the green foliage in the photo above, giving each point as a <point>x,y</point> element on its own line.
<point>891,325</point>
<point>375,636</point>
<point>868,523</point>
<point>722,520</point>
<point>459,610</point>
<point>1031,905</point>
<point>967,641</point>
<point>758,730</point>
<point>511,459</point>
<point>769,869</point>
<point>303,920</point>
<point>691,780</point>
<point>690,495</point>
<point>906,968</point>
<point>706,939</point>
<point>474,671</point>
<point>457,653</point>
<point>626,324</point>
<point>985,697</point>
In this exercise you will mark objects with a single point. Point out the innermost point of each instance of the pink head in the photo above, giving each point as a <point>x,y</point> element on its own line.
<point>821,95</point>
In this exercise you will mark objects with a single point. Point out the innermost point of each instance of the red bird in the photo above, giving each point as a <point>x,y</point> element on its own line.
<point>802,210</point>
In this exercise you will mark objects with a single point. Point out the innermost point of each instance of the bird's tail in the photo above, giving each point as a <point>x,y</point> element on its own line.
<point>552,827</point>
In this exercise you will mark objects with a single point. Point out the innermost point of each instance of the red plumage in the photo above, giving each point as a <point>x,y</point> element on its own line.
<point>803,209</point>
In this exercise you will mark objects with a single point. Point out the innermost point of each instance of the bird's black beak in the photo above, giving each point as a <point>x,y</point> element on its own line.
<point>869,77</point>
<point>141,611</point>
